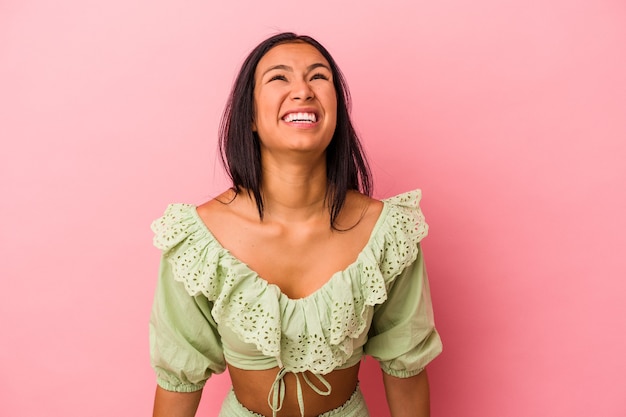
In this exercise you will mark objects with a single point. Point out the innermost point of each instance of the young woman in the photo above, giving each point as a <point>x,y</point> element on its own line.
<point>291,276</point>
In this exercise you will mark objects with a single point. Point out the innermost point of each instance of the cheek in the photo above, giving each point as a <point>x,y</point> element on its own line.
<point>265,105</point>
<point>260,111</point>
<point>333,107</point>
<point>332,99</point>
<point>328,99</point>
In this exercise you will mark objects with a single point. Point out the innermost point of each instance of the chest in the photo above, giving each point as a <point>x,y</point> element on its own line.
<point>298,261</point>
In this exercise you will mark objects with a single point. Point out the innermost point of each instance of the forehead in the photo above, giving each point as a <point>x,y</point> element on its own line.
<point>295,55</point>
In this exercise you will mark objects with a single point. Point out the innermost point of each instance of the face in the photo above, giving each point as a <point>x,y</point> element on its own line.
<point>295,102</point>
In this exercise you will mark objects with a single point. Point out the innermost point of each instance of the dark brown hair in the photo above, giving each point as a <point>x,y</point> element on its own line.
<point>346,165</point>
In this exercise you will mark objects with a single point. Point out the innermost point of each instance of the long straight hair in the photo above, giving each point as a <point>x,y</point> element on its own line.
<point>346,165</point>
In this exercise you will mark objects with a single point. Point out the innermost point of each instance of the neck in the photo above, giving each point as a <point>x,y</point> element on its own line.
<point>294,192</point>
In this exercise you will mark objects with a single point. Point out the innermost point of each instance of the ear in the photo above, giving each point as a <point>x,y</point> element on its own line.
<point>254,129</point>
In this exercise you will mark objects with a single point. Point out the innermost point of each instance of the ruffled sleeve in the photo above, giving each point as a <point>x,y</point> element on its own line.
<point>185,348</point>
<point>402,336</point>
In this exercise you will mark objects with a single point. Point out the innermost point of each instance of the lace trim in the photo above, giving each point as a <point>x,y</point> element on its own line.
<point>327,320</point>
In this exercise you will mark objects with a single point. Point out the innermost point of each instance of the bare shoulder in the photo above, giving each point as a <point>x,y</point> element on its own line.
<point>355,197</point>
<point>228,208</point>
<point>217,202</point>
<point>360,211</point>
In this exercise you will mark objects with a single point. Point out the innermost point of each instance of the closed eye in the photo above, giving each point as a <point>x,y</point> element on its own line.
<point>278,77</point>
<point>319,76</point>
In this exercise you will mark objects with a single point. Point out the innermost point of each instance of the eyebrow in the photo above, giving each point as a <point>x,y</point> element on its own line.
<point>288,68</point>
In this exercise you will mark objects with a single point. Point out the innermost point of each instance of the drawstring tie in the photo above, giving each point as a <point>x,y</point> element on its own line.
<point>276,396</point>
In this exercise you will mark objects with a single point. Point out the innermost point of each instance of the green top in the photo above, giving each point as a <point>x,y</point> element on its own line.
<point>210,308</point>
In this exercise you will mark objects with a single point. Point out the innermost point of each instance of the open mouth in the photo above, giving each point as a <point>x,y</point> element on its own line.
<point>300,118</point>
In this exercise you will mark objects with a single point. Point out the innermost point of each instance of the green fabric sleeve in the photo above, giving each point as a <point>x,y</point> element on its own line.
<point>185,347</point>
<point>402,336</point>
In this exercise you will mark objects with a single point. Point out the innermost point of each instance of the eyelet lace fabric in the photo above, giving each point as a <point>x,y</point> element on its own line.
<point>259,313</point>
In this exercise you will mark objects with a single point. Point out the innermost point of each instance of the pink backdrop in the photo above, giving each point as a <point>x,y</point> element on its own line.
<point>510,115</point>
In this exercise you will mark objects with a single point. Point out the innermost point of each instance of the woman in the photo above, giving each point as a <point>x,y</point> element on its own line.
<point>288,278</point>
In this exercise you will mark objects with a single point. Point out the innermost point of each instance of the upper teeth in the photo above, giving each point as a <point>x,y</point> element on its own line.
<point>300,117</point>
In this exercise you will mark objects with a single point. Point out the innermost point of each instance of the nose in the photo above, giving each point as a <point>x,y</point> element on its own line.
<point>301,91</point>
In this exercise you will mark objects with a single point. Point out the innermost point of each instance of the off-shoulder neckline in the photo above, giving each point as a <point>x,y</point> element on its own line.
<point>265,283</point>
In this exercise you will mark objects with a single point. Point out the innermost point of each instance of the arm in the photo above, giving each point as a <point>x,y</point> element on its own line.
<point>175,404</point>
<point>408,397</point>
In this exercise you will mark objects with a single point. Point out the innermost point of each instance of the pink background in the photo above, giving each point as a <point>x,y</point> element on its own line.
<point>510,115</point>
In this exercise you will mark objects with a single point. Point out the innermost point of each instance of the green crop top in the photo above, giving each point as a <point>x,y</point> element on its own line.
<point>211,309</point>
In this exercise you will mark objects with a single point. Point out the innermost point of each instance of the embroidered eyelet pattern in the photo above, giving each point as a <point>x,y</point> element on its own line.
<point>333,316</point>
